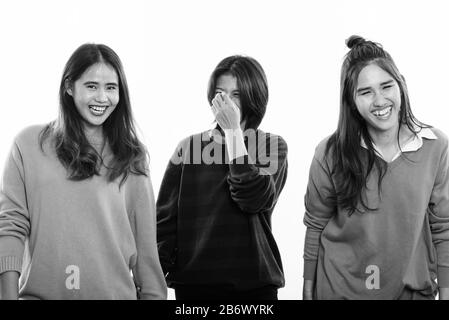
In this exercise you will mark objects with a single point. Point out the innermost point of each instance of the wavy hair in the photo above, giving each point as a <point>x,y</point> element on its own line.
<point>73,149</point>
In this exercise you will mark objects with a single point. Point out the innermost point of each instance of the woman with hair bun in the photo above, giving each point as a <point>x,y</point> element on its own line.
<point>77,211</point>
<point>377,201</point>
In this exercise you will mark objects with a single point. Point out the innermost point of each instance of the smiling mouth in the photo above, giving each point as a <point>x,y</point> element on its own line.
<point>98,110</point>
<point>382,113</point>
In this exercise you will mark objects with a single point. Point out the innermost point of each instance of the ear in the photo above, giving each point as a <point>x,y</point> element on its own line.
<point>68,87</point>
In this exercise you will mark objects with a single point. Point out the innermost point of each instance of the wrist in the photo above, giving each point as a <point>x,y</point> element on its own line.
<point>235,143</point>
<point>443,293</point>
<point>9,285</point>
<point>233,131</point>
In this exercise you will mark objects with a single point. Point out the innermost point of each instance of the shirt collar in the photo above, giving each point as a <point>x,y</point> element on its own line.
<point>417,141</point>
<point>412,145</point>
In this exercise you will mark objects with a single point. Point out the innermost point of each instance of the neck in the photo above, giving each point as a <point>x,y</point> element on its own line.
<point>389,139</point>
<point>94,134</point>
<point>384,139</point>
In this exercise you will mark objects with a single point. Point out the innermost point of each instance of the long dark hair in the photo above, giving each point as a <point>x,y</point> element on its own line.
<point>252,85</point>
<point>352,164</point>
<point>73,149</point>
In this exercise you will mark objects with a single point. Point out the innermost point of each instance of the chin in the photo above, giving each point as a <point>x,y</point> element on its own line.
<point>96,123</point>
<point>387,128</point>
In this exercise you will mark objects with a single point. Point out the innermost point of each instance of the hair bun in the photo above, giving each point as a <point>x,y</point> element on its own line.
<point>354,40</point>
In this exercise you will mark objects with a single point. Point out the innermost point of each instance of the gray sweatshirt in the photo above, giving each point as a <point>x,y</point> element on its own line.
<point>84,239</point>
<point>396,251</point>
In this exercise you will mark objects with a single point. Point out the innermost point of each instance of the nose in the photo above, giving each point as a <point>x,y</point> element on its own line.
<point>101,96</point>
<point>379,100</point>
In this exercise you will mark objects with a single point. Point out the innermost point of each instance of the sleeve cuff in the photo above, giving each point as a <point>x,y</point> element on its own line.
<point>157,293</point>
<point>151,297</point>
<point>443,277</point>
<point>235,144</point>
<point>10,263</point>
<point>241,165</point>
<point>310,269</point>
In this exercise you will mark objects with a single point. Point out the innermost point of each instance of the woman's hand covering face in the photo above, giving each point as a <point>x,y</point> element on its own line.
<point>226,112</point>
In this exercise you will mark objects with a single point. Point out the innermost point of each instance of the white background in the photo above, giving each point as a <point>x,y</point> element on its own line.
<point>169,48</point>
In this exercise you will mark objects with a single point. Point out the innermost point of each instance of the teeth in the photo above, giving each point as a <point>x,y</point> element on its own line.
<point>99,109</point>
<point>383,112</point>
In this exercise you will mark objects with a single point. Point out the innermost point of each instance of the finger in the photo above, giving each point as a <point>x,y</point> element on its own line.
<point>227,99</point>
<point>214,109</point>
<point>216,106</point>
<point>219,95</point>
<point>221,101</point>
<point>219,98</point>
<point>217,115</point>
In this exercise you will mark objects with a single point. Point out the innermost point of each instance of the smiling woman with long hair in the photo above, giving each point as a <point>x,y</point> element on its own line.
<point>377,201</point>
<point>76,200</point>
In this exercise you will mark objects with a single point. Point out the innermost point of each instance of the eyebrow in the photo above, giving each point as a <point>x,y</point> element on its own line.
<point>218,88</point>
<point>382,84</point>
<point>96,82</point>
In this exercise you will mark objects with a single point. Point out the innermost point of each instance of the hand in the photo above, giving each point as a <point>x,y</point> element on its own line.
<point>226,112</point>
<point>443,293</point>
<point>307,290</point>
<point>9,285</point>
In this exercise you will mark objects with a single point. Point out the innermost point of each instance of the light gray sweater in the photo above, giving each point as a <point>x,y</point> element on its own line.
<point>396,251</point>
<point>76,239</point>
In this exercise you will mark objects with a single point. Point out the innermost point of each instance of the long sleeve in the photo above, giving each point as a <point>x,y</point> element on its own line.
<point>167,212</point>
<point>318,211</point>
<point>147,270</point>
<point>255,187</point>
<point>439,218</point>
<point>14,216</point>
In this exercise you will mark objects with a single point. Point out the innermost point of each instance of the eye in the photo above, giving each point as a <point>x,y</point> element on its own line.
<point>236,94</point>
<point>364,93</point>
<point>91,86</point>
<point>111,88</point>
<point>388,86</point>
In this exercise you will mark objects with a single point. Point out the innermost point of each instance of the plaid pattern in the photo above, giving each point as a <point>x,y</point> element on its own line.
<point>214,220</point>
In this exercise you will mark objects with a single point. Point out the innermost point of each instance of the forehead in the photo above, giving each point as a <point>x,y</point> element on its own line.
<point>100,72</point>
<point>227,81</point>
<point>371,75</point>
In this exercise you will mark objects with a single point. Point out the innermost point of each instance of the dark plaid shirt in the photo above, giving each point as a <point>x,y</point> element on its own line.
<point>214,219</point>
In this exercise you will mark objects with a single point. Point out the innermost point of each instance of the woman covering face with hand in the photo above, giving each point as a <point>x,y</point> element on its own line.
<point>218,193</point>
<point>76,195</point>
<point>377,202</point>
